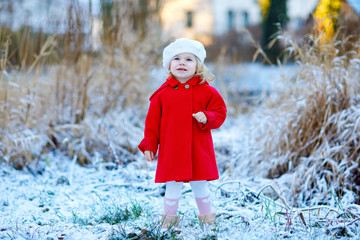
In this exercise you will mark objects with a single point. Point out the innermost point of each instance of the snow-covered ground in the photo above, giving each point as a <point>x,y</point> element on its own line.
<point>67,201</point>
<point>56,198</point>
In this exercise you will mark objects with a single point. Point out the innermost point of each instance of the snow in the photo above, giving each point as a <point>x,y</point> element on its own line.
<point>36,207</point>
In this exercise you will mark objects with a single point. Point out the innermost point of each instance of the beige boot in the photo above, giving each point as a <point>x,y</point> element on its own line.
<point>207,218</point>
<point>169,220</point>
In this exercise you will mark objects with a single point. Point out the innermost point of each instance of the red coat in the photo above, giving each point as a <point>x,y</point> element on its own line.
<point>186,151</point>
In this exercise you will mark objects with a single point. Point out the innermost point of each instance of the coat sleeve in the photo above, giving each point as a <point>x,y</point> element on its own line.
<point>152,127</point>
<point>215,111</point>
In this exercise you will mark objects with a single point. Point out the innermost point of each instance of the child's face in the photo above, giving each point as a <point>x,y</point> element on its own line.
<point>183,66</point>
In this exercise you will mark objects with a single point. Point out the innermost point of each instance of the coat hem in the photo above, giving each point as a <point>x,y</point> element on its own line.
<point>186,180</point>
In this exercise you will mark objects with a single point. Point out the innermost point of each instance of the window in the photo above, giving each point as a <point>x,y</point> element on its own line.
<point>189,19</point>
<point>230,20</point>
<point>245,19</point>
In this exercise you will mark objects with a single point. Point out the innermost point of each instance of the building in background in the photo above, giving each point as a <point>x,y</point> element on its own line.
<point>203,19</point>
<point>187,18</point>
<point>234,15</point>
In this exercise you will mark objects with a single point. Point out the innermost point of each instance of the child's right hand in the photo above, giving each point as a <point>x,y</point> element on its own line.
<point>149,156</point>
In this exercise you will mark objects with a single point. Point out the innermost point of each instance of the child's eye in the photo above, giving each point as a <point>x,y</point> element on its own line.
<point>189,60</point>
<point>176,58</point>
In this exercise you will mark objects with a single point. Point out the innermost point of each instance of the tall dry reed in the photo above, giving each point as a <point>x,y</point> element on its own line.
<point>309,132</point>
<point>72,99</point>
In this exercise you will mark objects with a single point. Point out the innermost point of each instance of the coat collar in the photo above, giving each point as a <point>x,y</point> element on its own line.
<point>171,81</point>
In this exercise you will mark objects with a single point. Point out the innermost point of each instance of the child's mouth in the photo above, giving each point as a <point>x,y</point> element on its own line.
<point>181,69</point>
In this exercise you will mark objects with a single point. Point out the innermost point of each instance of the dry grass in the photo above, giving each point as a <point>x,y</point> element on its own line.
<point>79,102</point>
<point>311,130</point>
<point>326,86</point>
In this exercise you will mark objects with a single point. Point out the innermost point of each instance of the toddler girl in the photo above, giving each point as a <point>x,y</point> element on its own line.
<point>181,114</point>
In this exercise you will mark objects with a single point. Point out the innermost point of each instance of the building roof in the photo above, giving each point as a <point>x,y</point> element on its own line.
<point>355,4</point>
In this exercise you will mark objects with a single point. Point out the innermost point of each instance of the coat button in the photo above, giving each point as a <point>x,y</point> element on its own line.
<point>187,86</point>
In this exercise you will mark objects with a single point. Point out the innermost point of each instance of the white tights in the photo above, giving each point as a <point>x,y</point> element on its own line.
<point>199,188</point>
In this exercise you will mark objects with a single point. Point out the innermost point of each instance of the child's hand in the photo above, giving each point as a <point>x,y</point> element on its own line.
<point>200,117</point>
<point>149,156</point>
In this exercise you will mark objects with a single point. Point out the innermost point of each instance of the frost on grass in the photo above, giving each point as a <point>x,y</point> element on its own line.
<point>307,137</point>
<point>125,203</point>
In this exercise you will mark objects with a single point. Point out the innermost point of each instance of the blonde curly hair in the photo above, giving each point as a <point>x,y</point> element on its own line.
<point>203,72</point>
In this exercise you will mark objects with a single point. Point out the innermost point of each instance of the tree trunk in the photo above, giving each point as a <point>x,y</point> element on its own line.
<point>275,20</point>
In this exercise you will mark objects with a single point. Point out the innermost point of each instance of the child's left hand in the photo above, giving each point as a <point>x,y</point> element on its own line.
<point>200,117</point>
<point>149,156</point>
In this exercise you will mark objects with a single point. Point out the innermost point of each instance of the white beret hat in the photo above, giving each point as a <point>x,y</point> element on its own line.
<point>183,45</point>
